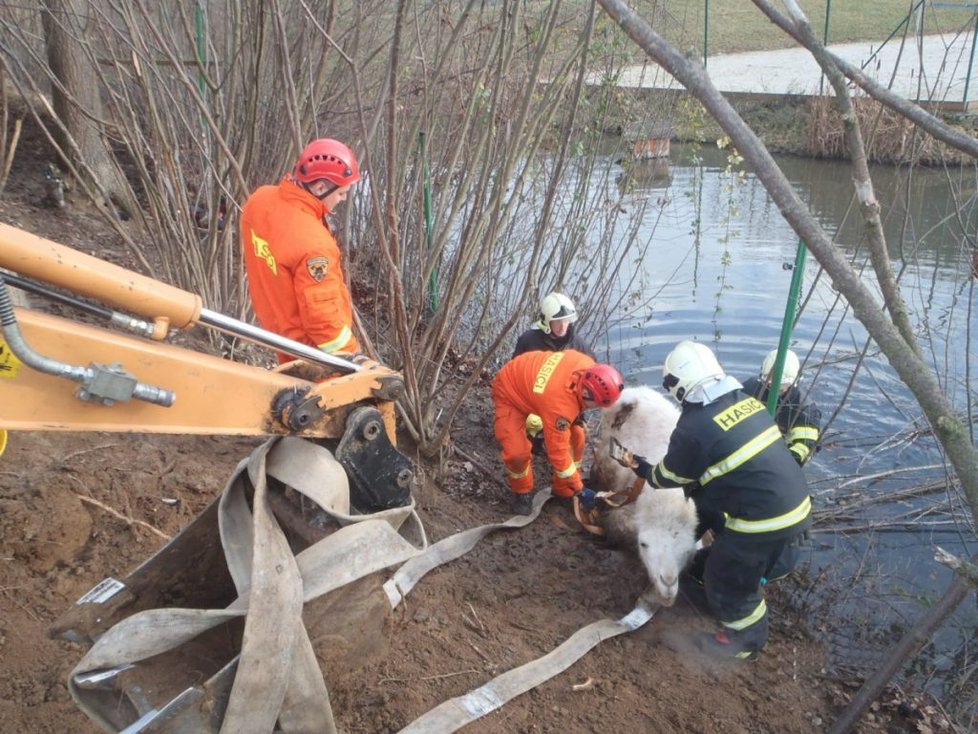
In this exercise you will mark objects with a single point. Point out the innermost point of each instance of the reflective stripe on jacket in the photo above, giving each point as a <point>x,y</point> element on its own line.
<point>799,422</point>
<point>734,451</point>
<point>294,273</point>
<point>543,383</point>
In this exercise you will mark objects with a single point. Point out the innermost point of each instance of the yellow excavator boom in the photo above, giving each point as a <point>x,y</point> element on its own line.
<point>61,375</point>
<point>340,501</point>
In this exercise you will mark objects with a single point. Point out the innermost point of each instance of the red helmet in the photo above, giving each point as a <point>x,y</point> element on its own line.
<point>601,384</point>
<point>327,159</point>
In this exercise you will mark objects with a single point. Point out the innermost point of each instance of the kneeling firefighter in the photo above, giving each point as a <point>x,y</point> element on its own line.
<point>554,331</point>
<point>558,387</point>
<point>798,420</point>
<point>729,452</point>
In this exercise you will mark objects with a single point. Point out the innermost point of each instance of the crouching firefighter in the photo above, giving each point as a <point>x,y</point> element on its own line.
<point>558,387</point>
<point>728,448</point>
<point>798,420</point>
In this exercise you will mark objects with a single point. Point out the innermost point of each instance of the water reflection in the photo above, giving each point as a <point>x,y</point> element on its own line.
<point>647,176</point>
<point>719,260</point>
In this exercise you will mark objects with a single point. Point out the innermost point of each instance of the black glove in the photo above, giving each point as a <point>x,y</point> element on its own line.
<point>642,467</point>
<point>588,497</point>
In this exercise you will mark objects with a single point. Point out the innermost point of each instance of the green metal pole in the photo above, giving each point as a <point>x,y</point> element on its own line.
<point>706,30</point>
<point>790,309</point>
<point>971,63</point>
<point>429,226</point>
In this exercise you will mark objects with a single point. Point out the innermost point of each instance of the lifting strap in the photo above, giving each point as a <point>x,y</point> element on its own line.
<point>455,713</point>
<point>589,518</point>
<point>278,679</point>
<point>278,684</point>
<point>450,548</point>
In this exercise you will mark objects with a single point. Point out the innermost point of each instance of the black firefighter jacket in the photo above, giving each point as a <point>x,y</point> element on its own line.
<point>799,422</point>
<point>734,452</point>
<point>536,340</point>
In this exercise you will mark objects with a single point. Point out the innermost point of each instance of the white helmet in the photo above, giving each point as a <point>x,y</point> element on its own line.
<point>556,306</point>
<point>789,376</point>
<point>689,365</point>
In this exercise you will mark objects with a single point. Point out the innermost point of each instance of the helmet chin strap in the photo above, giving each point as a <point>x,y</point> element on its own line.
<point>328,192</point>
<point>324,195</point>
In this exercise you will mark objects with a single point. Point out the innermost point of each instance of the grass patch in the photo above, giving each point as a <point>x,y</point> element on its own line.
<point>737,25</point>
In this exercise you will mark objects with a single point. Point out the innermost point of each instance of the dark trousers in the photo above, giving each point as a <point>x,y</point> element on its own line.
<point>735,567</point>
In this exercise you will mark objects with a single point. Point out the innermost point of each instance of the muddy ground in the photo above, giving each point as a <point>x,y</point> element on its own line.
<point>77,507</point>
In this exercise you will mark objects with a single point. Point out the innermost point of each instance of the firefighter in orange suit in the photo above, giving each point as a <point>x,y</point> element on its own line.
<point>291,256</point>
<point>557,386</point>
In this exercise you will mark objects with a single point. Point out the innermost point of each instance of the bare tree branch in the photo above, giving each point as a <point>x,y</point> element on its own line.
<point>913,371</point>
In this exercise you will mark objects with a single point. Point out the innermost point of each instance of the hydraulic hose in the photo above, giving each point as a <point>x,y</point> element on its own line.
<point>122,386</point>
<point>137,326</point>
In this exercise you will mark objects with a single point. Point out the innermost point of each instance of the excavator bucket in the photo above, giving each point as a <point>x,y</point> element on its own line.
<point>193,637</point>
<point>231,624</point>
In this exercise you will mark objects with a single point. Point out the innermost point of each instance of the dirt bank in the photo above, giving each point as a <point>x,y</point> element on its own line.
<point>77,507</point>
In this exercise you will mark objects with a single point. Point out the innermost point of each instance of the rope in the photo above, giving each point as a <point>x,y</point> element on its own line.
<point>589,518</point>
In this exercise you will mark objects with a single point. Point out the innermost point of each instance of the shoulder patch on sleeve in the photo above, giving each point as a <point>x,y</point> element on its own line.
<point>318,267</point>
<point>562,424</point>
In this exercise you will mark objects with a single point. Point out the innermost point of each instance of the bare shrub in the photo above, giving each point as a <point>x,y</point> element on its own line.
<point>484,186</point>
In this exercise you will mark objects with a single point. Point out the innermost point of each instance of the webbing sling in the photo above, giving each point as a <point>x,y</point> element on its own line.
<point>450,548</point>
<point>278,678</point>
<point>463,710</point>
<point>455,713</point>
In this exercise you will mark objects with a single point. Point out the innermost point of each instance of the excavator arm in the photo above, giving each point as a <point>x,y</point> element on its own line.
<point>59,374</point>
<point>312,517</point>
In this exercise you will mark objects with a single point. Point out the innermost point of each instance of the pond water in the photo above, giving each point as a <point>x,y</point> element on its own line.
<point>719,264</point>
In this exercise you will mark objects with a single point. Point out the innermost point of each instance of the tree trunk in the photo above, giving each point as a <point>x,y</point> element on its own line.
<point>77,104</point>
<point>907,363</point>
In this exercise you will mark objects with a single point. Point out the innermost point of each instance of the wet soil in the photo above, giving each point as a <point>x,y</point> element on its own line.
<point>78,507</point>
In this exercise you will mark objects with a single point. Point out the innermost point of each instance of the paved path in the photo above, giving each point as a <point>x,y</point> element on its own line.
<point>942,59</point>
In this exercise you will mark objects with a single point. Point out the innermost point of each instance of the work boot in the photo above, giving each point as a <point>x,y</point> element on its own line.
<point>723,645</point>
<point>523,503</point>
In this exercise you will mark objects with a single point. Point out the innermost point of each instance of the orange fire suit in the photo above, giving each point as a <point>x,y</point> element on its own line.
<point>544,383</point>
<point>294,272</point>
